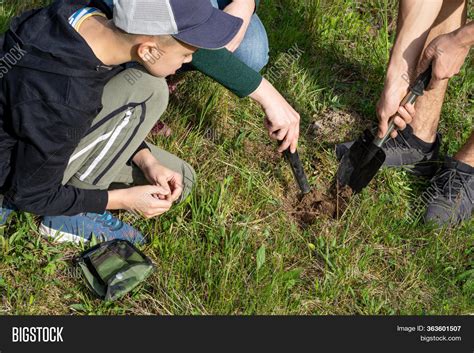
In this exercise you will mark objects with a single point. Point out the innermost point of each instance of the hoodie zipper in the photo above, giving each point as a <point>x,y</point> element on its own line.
<point>90,146</point>
<point>99,124</point>
<point>113,137</point>
<point>114,160</point>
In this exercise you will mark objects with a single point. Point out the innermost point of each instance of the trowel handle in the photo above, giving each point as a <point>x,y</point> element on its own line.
<point>298,171</point>
<point>416,91</point>
<point>409,98</point>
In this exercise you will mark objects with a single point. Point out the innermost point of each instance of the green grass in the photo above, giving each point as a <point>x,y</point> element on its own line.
<point>233,248</point>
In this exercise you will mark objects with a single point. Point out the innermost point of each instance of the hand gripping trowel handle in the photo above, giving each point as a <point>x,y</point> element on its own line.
<point>416,91</point>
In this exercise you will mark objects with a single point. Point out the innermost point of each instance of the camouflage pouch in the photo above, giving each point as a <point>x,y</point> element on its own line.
<point>113,268</point>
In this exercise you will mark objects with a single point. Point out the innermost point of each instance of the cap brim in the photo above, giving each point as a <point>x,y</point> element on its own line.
<point>215,33</point>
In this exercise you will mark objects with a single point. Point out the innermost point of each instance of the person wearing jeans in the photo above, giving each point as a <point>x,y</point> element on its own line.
<point>237,68</point>
<point>73,119</point>
<point>254,47</point>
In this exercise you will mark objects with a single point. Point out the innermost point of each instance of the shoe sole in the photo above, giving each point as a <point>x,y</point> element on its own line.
<point>60,237</point>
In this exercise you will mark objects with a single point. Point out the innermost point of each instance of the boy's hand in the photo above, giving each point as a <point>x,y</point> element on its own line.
<point>243,9</point>
<point>169,180</point>
<point>282,121</point>
<point>140,199</point>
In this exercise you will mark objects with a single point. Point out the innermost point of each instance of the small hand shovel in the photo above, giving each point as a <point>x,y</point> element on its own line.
<point>298,171</point>
<point>362,161</point>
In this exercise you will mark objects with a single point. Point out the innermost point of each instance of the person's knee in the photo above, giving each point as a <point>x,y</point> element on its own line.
<point>262,49</point>
<point>153,93</point>
<point>146,87</point>
<point>159,97</point>
<point>189,180</point>
<point>254,50</point>
<point>261,60</point>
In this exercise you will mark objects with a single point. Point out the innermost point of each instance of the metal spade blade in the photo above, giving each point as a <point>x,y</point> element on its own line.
<point>362,161</point>
<point>360,164</point>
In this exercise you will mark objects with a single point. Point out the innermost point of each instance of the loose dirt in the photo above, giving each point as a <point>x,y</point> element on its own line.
<point>317,204</point>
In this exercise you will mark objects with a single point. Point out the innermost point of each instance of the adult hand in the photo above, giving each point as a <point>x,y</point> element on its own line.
<point>243,9</point>
<point>414,23</point>
<point>447,54</point>
<point>388,106</point>
<point>282,121</point>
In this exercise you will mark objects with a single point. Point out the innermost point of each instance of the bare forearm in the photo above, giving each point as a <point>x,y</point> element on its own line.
<point>248,4</point>
<point>415,20</point>
<point>116,200</point>
<point>143,158</point>
<point>264,93</point>
<point>243,9</point>
<point>281,120</point>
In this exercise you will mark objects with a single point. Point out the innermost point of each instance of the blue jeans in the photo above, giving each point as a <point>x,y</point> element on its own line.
<point>254,49</point>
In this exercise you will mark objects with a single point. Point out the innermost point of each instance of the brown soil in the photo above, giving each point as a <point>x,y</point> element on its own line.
<point>317,204</point>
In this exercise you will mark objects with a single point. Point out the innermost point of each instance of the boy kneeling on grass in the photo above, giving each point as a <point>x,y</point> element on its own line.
<point>72,126</point>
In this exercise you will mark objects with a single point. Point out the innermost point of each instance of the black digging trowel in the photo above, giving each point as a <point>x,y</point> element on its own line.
<point>298,171</point>
<point>294,161</point>
<point>361,162</point>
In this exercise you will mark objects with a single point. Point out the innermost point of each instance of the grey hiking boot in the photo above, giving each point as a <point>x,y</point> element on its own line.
<point>408,151</point>
<point>452,194</point>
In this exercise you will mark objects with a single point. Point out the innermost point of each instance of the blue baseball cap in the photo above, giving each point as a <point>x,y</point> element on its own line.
<point>194,22</point>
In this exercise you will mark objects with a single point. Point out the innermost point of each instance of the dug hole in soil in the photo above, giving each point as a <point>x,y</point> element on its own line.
<point>333,202</point>
<point>318,204</point>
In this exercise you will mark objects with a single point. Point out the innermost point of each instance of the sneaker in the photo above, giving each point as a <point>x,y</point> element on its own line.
<point>408,151</point>
<point>452,194</point>
<point>5,212</point>
<point>80,228</point>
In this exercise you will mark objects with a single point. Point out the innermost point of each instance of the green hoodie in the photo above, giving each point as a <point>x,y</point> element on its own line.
<point>225,68</point>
